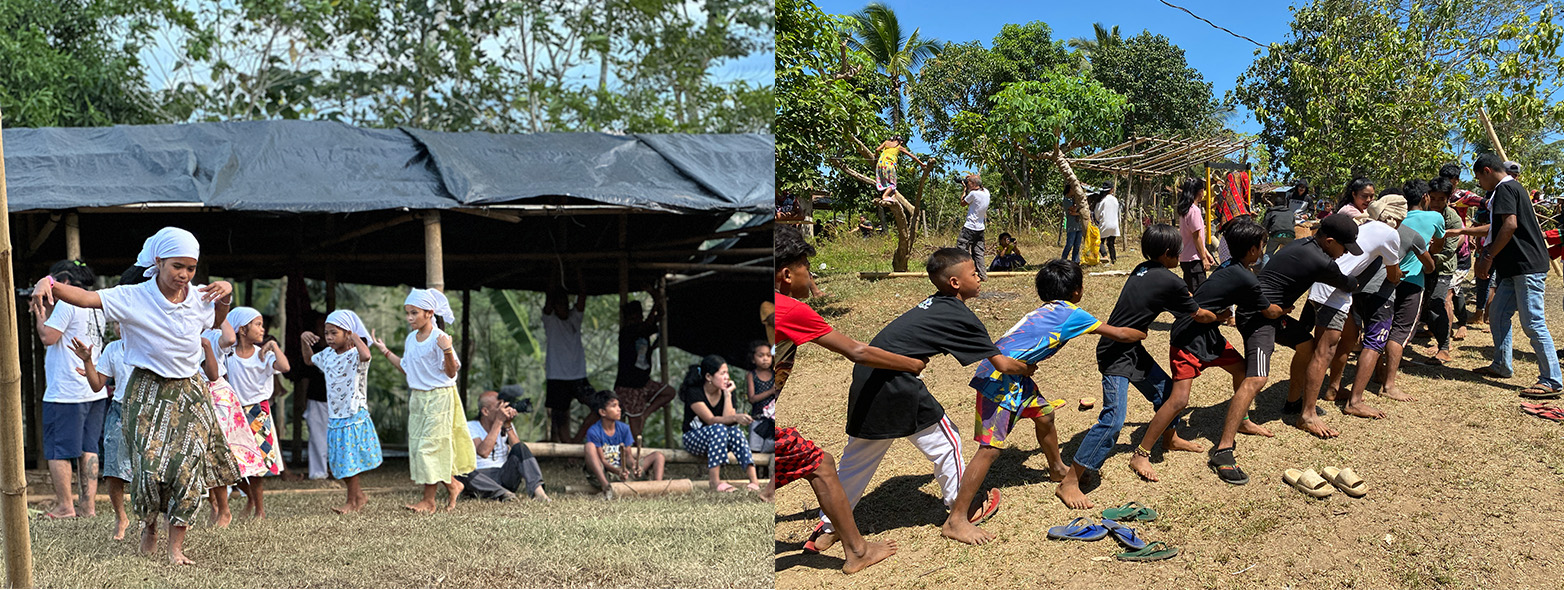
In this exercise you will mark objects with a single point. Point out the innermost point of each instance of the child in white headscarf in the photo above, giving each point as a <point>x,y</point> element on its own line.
<point>438,445</point>
<point>230,416</point>
<point>252,366</point>
<point>352,445</point>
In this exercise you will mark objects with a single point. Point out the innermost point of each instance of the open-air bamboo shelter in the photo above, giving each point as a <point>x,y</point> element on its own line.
<point>1143,158</point>
<point>685,217</point>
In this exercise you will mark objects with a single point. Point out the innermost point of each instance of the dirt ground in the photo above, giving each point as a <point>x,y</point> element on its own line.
<point>1466,490</point>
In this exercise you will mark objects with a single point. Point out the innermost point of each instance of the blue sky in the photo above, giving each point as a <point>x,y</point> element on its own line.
<point>1219,57</point>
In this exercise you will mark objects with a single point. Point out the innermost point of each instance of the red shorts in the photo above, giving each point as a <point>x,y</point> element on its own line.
<point>795,457</point>
<point>1186,366</point>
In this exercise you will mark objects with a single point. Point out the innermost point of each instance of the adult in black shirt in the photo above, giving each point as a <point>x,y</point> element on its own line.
<point>711,428</point>
<point>1517,257</point>
<point>639,395</point>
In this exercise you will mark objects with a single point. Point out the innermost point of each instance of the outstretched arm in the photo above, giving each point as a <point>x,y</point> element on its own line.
<point>47,290</point>
<point>1010,366</point>
<point>870,356</point>
<point>396,361</point>
<point>1118,334</point>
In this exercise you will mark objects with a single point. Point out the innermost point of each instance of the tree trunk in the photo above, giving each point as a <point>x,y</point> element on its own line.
<point>901,210</point>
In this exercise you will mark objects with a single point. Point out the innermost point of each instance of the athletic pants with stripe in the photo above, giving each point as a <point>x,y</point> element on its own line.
<point>940,443</point>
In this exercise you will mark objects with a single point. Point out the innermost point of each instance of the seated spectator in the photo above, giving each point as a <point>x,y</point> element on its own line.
<point>711,426</point>
<point>762,399</point>
<point>505,464</point>
<point>1008,255</point>
<point>865,228</point>
<point>611,452</point>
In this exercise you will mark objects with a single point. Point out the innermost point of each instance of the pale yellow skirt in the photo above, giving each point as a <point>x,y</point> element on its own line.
<point>438,445</point>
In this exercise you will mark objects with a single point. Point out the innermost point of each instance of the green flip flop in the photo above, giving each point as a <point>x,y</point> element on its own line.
<point>1153,551</point>
<point>1133,511</point>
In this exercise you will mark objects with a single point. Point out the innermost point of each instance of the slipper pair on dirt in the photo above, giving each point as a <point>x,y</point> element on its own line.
<point>1083,529</point>
<point>1544,411</point>
<point>1311,484</point>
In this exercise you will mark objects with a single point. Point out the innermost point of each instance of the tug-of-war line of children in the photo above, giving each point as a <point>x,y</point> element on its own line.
<point>189,411</point>
<point>1362,276</point>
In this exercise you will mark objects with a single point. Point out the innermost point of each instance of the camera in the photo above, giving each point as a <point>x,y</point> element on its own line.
<point>511,395</point>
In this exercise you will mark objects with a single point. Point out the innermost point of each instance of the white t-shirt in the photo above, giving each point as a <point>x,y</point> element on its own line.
<point>111,364</point>
<point>215,336</point>
<point>566,359</point>
<point>251,377</point>
<point>977,210</point>
<point>1108,216</point>
<point>1377,240</point>
<point>425,362</point>
<point>64,385</point>
<point>160,336</point>
<point>496,458</point>
<point>347,381</point>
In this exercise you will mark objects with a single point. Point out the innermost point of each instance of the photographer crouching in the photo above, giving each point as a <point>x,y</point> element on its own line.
<point>505,465</point>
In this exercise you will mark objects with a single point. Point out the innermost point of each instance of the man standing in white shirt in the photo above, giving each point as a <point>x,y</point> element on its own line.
<point>1107,212</point>
<point>971,238</point>
<point>565,365</point>
<point>73,414</point>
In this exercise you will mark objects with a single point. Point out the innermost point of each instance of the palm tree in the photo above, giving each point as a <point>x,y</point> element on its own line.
<point>1104,37</point>
<point>876,31</point>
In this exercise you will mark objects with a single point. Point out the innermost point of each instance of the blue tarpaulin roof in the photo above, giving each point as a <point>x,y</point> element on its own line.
<point>328,167</point>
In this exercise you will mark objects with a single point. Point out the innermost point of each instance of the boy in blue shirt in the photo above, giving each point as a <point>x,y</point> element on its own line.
<point>611,450</point>
<point>1003,399</point>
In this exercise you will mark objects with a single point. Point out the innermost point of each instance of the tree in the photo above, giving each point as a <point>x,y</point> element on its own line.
<point>1086,47</point>
<point>1166,96</point>
<point>876,31</point>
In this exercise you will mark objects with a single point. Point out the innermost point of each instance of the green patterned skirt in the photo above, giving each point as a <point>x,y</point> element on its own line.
<point>177,449</point>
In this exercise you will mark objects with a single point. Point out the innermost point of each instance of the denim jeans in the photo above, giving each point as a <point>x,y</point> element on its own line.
<point>1271,246</point>
<point>1072,245</point>
<point>1523,293</point>
<point>1100,438</point>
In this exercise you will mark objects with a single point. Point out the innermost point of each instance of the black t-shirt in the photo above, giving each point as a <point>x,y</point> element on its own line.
<point>696,396</point>
<point>886,404</point>
<point>1150,290</point>
<point>1279,220</point>
<point>635,355</point>
<point>1290,273</point>
<point>1230,284</point>
<point>1527,251</point>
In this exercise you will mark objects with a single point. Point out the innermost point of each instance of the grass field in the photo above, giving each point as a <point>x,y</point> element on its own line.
<point>1466,491</point>
<point>695,540</point>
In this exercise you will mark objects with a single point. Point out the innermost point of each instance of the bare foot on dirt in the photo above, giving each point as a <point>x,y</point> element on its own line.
<point>1142,467</point>
<point>422,507</point>
<point>1362,410</point>
<point>1329,394</point>
<point>222,520</point>
<point>960,529</point>
<point>1172,442</point>
<point>455,490</point>
<point>872,553</point>
<point>66,514</point>
<point>1315,426</point>
<point>1071,495</point>
<point>1056,472</point>
<point>120,524</point>
<point>345,508</point>
<point>1395,393</point>
<point>1248,427</point>
<point>178,558</point>
<point>359,501</point>
<point>825,541</point>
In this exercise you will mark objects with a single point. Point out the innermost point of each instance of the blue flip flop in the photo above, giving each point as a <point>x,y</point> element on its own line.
<point>1124,535</point>
<point>1080,529</point>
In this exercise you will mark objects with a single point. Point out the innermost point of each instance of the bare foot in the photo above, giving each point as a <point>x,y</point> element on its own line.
<point>1056,472</point>
<point>542,496</point>
<point>1142,467</point>
<point>1394,392</point>
<point>1362,410</point>
<point>1172,442</point>
<point>221,521</point>
<point>1443,357</point>
<point>957,528</point>
<point>120,524</point>
<point>148,539</point>
<point>1248,427</point>
<point>1071,495</point>
<point>1315,426</point>
<point>345,508</point>
<point>1329,394</point>
<point>422,507</point>
<point>360,501</point>
<point>66,514</point>
<point>825,541</point>
<point>178,558</point>
<point>259,514</point>
<point>872,553</point>
<point>455,489</point>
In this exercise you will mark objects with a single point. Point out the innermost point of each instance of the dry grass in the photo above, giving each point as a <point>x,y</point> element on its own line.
<point>1466,490</point>
<point>695,540</point>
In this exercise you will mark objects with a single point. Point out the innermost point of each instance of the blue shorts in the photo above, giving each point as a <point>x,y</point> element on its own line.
<point>72,429</point>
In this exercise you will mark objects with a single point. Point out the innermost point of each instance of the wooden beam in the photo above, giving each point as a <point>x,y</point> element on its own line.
<point>72,236</point>
<point>490,258</point>
<point>434,252</point>
<point>675,266</point>
<point>364,231</point>
<point>506,216</point>
<point>662,356</point>
<point>43,235</point>
<point>567,450</point>
<point>13,476</point>
<point>624,260</point>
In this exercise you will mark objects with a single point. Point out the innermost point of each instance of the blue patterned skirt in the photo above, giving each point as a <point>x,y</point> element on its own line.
<point>116,454</point>
<point>352,445</point>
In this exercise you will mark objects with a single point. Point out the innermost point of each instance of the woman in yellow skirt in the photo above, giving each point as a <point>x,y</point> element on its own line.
<point>438,446</point>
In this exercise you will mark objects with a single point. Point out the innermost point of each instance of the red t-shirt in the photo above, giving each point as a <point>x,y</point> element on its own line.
<point>797,324</point>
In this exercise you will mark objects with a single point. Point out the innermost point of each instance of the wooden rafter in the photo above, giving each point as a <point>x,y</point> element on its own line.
<point>1158,156</point>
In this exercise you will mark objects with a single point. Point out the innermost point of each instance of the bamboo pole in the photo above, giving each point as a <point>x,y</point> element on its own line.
<point>1482,112</point>
<point>1207,212</point>
<point>673,455</point>
<point>434,254</point>
<point>72,236</point>
<point>662,356</point>
<point>13,476</point>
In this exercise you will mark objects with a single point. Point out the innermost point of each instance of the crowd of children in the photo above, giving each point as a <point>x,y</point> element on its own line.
<point>1368,277</point>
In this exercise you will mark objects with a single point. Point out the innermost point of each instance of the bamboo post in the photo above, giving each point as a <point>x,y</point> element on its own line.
<point>662,356</point>
<point>434,254</point>
<point>72,236</point>
<point>467,348</point>
<point>1207,212</point>
<point>13,476</point>
<point>1482,112</point>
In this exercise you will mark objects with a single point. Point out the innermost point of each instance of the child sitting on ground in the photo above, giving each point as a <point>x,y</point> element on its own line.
<point>352,444</point>
<point>611,453</point>
<point>884,405</point>
<point>1008,255</point>
<point>1004,399</point>
<point>1150,290</point>
<point>762,398</point>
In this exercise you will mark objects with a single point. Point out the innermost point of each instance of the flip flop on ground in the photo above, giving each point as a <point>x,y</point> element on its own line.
<point>1130,512</point>
<point>1153,551</point>
<point>1080,529</point>
<point>989,508</point>
<point>1347,481</point>
<point>1308,482</point>
<point>1124,535</point>
<point>1542,391</point>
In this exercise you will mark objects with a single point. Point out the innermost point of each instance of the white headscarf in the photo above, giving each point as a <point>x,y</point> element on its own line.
<point>239,317</point>
<point>347,320</point>
<point>169,242</point>
<point>431,300</point>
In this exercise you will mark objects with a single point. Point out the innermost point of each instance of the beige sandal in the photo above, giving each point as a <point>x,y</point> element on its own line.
<point>1348,482</point>
<point>1308,482</point>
